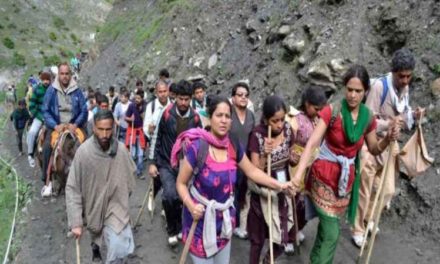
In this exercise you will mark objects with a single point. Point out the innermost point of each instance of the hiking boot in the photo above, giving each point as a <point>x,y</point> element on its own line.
<point>96,253</point>
<point>289,249</point>
<point>31,161</point>
<point>46,191</point>
<point>358,240</point>
<point>240,233</point>
<point>172,241</point>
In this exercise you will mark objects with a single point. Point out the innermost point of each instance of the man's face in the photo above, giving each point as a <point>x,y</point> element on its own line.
<point>241,98</point>
<point>138,99</point>
<point>103,130</point>
<point>64,75</point>
<point>162,93</point>
<point>402,78</point>
<point>124,99</point>
<point>46,83</point>
<point>183,102</point>
<point>199,94</point>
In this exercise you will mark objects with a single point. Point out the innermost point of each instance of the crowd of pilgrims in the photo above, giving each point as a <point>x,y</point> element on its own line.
<point>207,155</point>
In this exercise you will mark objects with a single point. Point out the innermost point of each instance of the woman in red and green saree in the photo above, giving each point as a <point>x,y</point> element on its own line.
<point>333,182</point>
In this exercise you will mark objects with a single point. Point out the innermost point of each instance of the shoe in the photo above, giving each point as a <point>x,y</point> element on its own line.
<point>179,236</point>
<point>388,206</point>
<point>300,236</point>
<point>370,227</point>
<point>238,232</point>
<point>20,153</point>
<point>96,253</point>
<point>289,249</point>
<point>150,201</point>
<point>358,240</point>
<point>46,191</point>
<point>31,161</point>
<point>162,213</point>
<point>172,241</point>
<point>141,176</point>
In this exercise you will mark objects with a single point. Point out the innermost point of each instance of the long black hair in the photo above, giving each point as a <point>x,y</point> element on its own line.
<point>314,95</point>
<point>271,105</point>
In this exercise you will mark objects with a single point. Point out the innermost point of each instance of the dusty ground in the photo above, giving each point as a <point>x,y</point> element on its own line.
<point>42,233</point>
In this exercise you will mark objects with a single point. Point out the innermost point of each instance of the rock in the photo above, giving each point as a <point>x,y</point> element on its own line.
<point>302,60</point>
<point>222,46</point>
<point>284,30</point>
<point>435,87</point>
<point>319,70</point>
<point>197,77</point>
<point>251,26</point>
<point>293,44</point>
<point>212,61</point>
<point>197,61</point>
<point>338,66</point>
<point>254,38</point>
<point>151,78</point>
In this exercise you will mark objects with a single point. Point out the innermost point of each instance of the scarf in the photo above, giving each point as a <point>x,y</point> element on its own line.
<point>401,105</point>
<point>353,133</point>
<point>185,138</point>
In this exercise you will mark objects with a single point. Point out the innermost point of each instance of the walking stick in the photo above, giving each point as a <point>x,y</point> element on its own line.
<point>78,259</point>
<point>151,191</point>
<point>141,210</point>
<point>269,198</point>
<point>132,132</point>
<point>188,242</point>
<point>295,218</point>
<point>377,208</point>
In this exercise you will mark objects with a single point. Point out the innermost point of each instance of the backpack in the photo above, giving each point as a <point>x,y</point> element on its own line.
<point>385,90</point>
<point>203,151</point>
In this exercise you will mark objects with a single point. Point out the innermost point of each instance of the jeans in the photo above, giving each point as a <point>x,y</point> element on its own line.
<point>121,132</point>
<point>33,134</point>
<point>19,139</point>
<point>137,153</point>
<point>171,201</point>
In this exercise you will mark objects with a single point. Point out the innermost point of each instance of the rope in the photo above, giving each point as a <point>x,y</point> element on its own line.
<point>15,212</point>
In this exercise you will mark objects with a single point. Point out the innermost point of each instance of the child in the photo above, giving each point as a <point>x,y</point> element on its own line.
<point>20,116</point>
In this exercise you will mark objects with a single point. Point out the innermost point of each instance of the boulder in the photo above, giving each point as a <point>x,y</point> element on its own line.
<point>284,30</point>
<point>319,70</point>
<point>338,66</point>
<point>435,87</point>
<point>212,61</point>
<point>251,26</point>
<point>293,44</point>
<point>198,77</point>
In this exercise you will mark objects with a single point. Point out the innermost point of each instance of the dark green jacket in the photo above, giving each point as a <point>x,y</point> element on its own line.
<point>36,102</point>
<point>20,117</point>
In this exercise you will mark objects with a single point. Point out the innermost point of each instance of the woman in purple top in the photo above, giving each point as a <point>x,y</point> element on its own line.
<point>209,199</point>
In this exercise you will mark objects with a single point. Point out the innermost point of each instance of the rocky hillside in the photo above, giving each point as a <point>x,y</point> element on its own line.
<point>37,33</point>
<point>280,46</point>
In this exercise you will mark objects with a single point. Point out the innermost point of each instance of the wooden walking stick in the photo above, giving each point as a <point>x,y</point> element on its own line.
<point>153,202</point>
<point>295,219</point>
<point>269,197</point>
<point>188,242</point>
<point>378,204</point>
<point>141,210</point>
<point>78,254</point>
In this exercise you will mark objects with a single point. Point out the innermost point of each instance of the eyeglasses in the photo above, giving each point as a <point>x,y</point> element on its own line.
<point>242,95</point>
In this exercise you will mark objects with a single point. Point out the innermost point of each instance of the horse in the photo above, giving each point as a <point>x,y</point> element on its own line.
<point>64,149</point>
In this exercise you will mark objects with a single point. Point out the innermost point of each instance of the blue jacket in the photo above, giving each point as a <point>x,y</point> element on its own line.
<point>51,112</point>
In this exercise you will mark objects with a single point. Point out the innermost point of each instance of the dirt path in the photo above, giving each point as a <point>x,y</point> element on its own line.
<point>42,233</point>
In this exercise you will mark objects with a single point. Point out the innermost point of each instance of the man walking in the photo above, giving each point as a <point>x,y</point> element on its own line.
<point>100,182</point>
<point>176,118</point>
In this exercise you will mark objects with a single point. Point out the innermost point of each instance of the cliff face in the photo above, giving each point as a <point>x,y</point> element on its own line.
<point>280,46</point>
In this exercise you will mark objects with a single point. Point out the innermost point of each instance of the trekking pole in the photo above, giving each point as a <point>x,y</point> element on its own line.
<point>188,242</point>
<point>295,219</point>
<point>78,254</point>
<point>269,198</point>
<point>377,208</point>
<point>141,210</point>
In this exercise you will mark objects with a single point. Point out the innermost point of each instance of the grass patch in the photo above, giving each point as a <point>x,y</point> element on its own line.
<point>58,22</point>
<point>51,60</point>
<point>52,36</point>
<point>8,43</point>
<point>19,59</point>
<point>7,203</point>
<point>436,69</point>
<point>145,33</point>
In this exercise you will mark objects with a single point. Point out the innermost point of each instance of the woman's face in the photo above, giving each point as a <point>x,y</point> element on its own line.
<point>276,122</point>
<point>221,120</point>
<point>354,93</point>
<point>311,110</point>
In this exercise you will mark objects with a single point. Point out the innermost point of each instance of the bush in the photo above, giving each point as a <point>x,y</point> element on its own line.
<point>51,60</point>
<point>74,37</point>
<point>12,26</point>
<point>436,69</point>
<point>53,36</point>
<point>19,59</point>
<point>8,43</point>
<point>58,22</point>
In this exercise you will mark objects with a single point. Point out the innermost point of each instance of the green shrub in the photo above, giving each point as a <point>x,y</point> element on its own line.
<point>12,26</point>
<point>74,37</point>
<point>8,43</point>
<point>53,36</point>
<point>18,59</point>
<point>436,69</point>
<point>58,22</point>
<point>1,26</point>
<point>51,60</point>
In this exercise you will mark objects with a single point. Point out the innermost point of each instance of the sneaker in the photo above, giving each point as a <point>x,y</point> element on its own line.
<point>358,240</point>
<point>46,191</point>
<point>172,241</point>
<point>150,203</point>
<point>240,233</point>
<point>289,249</point>
<point>300,236</point>
<point>96,253</point>
<point>179,236</point>
<point>370,227</point>
<point>31,161</point>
